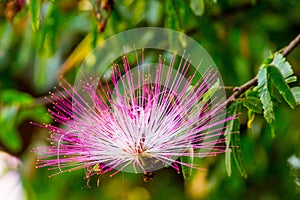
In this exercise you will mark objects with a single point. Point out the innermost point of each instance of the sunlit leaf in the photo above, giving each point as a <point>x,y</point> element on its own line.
<point>34,9</point>
<point>280,62</point>
<point>265,96</point>
<point>291,79</point>
<point>47,34</point>
<point>11,96</point>
<point>296,93</point>
<point>251,117</point>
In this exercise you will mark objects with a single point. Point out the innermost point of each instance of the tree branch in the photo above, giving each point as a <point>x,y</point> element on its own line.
<point>237,91</point>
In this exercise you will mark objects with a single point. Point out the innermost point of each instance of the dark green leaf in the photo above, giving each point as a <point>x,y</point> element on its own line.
<point>254,104</point>
<point>283,88</point>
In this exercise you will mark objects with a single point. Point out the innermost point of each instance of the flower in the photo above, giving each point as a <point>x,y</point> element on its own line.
<point>138,121</point>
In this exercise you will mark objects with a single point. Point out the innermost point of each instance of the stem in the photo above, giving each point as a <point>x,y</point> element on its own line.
<point>237,91</point>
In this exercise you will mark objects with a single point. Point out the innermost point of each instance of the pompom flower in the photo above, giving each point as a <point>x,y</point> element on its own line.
<point>138,121</point>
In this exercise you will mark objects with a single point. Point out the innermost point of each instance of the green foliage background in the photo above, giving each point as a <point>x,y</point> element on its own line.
<point>40,40</point>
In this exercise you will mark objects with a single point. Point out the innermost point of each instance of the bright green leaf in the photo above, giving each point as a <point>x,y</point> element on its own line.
<point>47,35</point>
<point>251,116</point>
<point>253,93</point>
<point>34,9</point>
<point>291,79</point>
<point>11,96</point>
<point>38,114</point>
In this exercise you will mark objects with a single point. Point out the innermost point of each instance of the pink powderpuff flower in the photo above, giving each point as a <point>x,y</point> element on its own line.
<point>137,121</point>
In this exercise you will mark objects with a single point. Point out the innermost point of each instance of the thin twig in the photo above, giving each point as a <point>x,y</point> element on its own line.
<point>237,91</point>
<point>293,44</point>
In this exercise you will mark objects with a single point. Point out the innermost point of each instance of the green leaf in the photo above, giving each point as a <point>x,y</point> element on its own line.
<point>254,104</point>
<point>265,96</point>
<point>8,133</point>
<point>268,61</point>
<point>38,114</point>
<point>197,6</point>
<point>296,93</point>
<point>229,130</point>
<point>11,96</point>
<point>291,79</point>
<point>232,137</point>
<point>34,10</point>
<point>186,170</point>
<point>210,92</point>
<point>251,116</point>
<point>172,22</point>
<point>284,67</point>
<point>253,93</point>
<point>11,139</point>
<point>47,35</point>
<point>283,88</point>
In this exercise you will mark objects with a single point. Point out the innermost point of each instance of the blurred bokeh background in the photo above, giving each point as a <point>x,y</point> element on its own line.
<point>43,39</point>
